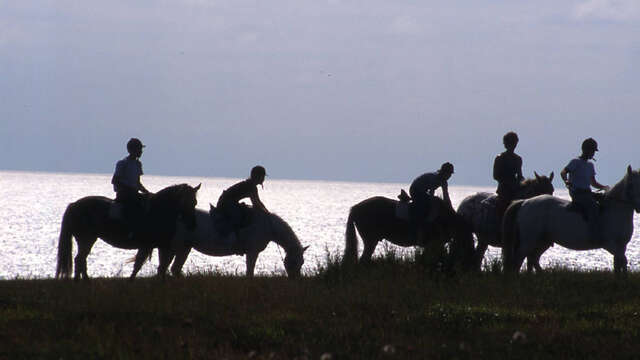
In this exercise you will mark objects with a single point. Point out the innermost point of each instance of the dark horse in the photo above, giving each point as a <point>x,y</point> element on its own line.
<point>88,219</point>
<point>480,211</point>
<point>376,220</point>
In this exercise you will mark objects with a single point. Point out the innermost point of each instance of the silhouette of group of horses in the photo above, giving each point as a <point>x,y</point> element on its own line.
<point>531,224</point>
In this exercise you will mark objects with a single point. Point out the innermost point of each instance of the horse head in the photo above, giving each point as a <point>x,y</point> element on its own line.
<point>181,199</point>
<point>632,188</point>
<point>293,262</point>
<point>187,205</point>
<point>541,184</point>
<point>284,236</point>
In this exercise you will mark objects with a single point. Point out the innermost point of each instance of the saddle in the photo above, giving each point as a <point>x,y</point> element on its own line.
<point>117,210</point>
<point>404,208</point>
<point>487,217</point>
<point>577,208</point>
<point>226,224</point>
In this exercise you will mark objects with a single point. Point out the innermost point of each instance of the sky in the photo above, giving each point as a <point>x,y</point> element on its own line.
<point>372,91</point>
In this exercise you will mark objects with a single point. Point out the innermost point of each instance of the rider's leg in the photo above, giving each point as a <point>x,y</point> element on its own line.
<point>585,200</point>
<point>417,218</point>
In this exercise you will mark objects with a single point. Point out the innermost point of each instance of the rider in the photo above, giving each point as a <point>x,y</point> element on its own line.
<point>422,190</point>
<point>228,201</point>
<point>507,171</point>
<point>127,185</point>
<point>581,176</point>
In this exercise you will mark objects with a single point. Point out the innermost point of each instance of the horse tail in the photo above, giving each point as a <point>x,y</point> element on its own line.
<point>510,237</point>
<point>351,240</point>
<point>65,244</point>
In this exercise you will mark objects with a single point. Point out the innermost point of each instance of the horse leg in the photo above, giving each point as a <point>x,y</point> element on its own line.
<point>533,262</point>
<point>84,248</point>
<point>620,264</point>
<point>478,255</point>
<point>165,255</point>
<point>141,257</point>
<point>251,259</point>
<point>369,247</point>
<point>178,262</point>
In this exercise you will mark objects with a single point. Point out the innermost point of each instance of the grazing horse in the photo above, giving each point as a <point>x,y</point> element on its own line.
<point>250,240</point>
<point>480,211</point>
<point>376,220</point>
<point>531,226</point>
<point>89,219</point>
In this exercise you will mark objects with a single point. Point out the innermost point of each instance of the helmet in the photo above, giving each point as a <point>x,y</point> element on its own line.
<point>258,171</point>
<point>589,145</point>
<point>447,167</point>
<point>510,138</point>
<point>134,144</point>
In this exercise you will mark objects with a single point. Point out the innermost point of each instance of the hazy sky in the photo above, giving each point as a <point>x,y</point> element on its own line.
<point>340,90</point>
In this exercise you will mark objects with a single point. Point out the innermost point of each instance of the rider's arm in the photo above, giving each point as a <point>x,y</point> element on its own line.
<point>597,185</point>
<point>256,202</point>
<point>497,166</point>
<point>445,193</point>
<point>520,177</point>
<point>142,188</point>
<point>563,175</point>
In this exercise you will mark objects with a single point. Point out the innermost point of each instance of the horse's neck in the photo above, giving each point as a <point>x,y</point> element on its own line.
<point>283,235</point>
<point>522,192</point>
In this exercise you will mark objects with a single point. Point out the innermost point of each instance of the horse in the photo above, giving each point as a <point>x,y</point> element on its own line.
<point>249,240</point>
<point>480,211</point>
<point>531,226</point>
<point>375,219</point>
<point>88,219</point>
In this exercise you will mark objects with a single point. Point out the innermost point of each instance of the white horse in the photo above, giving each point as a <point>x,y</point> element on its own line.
<point>479,210</point>
<point>250,241</point>
<point>531,226</point>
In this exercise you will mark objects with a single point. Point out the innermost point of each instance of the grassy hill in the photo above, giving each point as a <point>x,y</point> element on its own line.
<point>393,308</point>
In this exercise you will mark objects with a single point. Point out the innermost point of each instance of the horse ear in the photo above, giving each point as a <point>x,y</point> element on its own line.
<point>305,248</point>
<point>197,187</point>
<point>629,170</point>
<point>551,176</point>
<point>536,174</point>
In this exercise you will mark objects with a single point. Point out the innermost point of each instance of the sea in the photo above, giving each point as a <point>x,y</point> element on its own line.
<point>32,205</point>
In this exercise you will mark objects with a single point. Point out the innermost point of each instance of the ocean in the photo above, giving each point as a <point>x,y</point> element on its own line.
<point>32,204</point>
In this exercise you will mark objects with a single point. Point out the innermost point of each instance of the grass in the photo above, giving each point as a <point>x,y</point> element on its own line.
<point>396,307</point>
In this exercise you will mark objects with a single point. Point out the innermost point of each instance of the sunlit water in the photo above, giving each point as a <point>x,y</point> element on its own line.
<point>32,204</point>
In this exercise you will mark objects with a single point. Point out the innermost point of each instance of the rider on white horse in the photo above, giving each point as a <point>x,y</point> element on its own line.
<point>422,190</point>
<point>228,203</point>
<point>127,185</point>
<point>581,176</point>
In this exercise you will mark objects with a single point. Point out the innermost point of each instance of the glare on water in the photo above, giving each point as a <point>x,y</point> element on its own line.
<point>32,204</point>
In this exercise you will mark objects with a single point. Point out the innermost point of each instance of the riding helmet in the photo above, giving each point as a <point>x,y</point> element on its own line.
<point>447,167</point>
<point>589,145</point>
<point>510,138</point>
<point>258,171</point>
<point>134,144</point>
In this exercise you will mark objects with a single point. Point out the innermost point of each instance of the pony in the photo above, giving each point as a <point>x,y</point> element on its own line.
<point>479,210</point>
<point>88,219</point>
<point>531,226</point>
<point>375,219</point>
<point>250,240</point>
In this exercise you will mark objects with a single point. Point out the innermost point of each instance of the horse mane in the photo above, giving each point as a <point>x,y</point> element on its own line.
<point>535,185</point>
<point>283,231</point>
<point>528,182</point>
<point>617,191</point>
<point>166,198</point>
<point>170,192</point>
<point>534,180</point>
